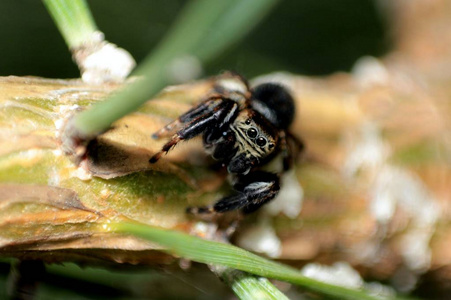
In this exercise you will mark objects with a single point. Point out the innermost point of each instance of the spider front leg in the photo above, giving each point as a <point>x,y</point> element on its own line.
<point>253,191</point>
<point>203,108</point>
<point>221,115</point>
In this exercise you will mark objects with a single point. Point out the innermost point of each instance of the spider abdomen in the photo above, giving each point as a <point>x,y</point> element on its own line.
<point>275,103</point>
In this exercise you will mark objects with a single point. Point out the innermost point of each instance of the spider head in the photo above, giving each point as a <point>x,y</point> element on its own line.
<point>275,103</point>
<point>256,139</point>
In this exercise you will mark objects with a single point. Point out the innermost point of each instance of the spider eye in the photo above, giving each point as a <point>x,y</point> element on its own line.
<point>252,132</point>
<point>248,121</point>
<point>261,141</point>
<point>271,146</point>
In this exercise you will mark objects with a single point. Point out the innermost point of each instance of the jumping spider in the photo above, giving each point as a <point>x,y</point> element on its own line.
<point>245,129</point>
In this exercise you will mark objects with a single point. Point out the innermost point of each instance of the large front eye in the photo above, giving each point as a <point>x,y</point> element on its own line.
<point>261,141</point>
<point>252,132</point>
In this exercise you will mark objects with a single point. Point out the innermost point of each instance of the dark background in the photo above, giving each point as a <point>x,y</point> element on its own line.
<point>313,37</point>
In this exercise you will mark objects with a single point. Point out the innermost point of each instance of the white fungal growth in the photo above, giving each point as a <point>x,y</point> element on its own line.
<point>261,238</point>
<point>290,198</point>
<point>100,61</point>
<point>391,188</point>
<point>63,112</point>
<point>205,230</point>
<point>415,249</point>
<point>369,152</point>
<point>81,172</point>
<point>406,190</point>
<point>109,63</point>
<point>369,71</point>
<point>340,273</point>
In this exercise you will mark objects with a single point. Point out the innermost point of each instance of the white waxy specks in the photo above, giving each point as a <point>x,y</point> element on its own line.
<point>393,184</point>
<point>57,152</point>
<point>415,249</point>
<point>205,230</point>
<point>342,274</point>
<point>59,123</point>
<point>261,238</point>
<point>54,178</point>
<point>391,188</point>
<point>81,172</point>
<point>368,152</point>
<point>64,111</point>
<point>100,61</point>
<point>290,198</point>
<point>105,193</point>
<point>369,71</point>
<point>108,64</point>
<point>379,290</point>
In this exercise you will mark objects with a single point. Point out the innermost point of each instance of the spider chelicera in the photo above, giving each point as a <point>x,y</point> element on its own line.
<point>245,129</point>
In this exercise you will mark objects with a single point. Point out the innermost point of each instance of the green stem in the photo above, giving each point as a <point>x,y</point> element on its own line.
<point>245,15</point>
<point>191,26</point>
<point>73,19</point>
<point>96,120</point>
<point>247,286</point>
<point>187,38</point>
<point>210,252</point>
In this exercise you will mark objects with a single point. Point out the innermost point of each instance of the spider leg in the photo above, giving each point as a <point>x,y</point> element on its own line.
<point>225,149</point>
<point>199,125</point>
<point>206,106</point>
<point>220,130</point>
<point>254,190</point>
<point>166,130</point>
<point>241,164</point>
<point>290,146</point>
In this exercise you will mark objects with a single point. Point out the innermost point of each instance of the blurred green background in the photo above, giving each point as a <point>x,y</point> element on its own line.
<point>312,37</point>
